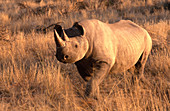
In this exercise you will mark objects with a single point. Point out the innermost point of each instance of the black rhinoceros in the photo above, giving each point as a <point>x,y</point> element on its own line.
<point>98,48</point>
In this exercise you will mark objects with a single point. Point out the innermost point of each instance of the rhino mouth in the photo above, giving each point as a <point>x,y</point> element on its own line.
<point>61,60</point>
<point>64,60</point>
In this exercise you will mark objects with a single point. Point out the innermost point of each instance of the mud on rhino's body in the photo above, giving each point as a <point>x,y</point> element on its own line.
<point>98,48</point>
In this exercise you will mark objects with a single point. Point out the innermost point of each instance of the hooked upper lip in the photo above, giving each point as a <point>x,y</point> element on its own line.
<point>60,59</point>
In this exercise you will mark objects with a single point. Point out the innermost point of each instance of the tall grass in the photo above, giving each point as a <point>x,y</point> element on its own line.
<point>32,79</point>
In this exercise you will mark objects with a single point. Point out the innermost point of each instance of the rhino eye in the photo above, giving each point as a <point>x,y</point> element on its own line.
<point>76,46</point>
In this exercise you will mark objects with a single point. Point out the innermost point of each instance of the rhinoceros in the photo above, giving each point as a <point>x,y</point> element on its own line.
<point>98,48</point>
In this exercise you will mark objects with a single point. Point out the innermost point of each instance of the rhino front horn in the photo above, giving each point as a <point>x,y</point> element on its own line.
<point>59,41</point>
<point>65,36</point>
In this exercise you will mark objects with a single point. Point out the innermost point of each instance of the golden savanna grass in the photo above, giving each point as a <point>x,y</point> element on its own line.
<point>32,79</point>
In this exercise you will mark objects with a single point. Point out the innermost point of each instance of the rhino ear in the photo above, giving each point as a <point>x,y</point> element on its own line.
<point>79,27</point>
<point>59,29</point>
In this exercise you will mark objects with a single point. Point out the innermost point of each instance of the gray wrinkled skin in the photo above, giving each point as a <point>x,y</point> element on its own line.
<point>98,48</point>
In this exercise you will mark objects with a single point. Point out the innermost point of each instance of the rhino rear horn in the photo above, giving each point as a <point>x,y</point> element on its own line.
<point>58,40</point>
<point>65,36</point>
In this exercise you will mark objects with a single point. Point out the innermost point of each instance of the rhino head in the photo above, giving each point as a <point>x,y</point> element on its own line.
<point>70,47</point>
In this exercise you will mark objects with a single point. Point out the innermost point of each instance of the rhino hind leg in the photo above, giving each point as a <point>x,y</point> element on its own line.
<point>140,65</point>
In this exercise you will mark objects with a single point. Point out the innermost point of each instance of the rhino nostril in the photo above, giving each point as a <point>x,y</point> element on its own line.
<point>65,57</point>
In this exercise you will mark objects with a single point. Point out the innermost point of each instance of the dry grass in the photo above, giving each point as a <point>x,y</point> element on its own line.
<point>32,79</point>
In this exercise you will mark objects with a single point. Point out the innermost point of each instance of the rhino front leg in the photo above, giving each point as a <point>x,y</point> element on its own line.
<point>101,69</point>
